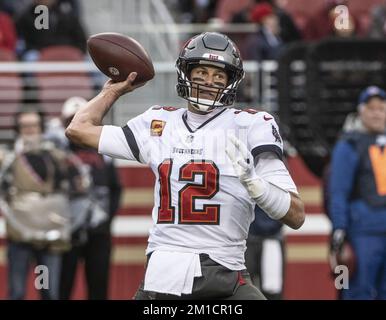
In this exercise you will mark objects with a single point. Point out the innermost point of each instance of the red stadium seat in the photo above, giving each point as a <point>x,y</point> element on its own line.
<point>55,88</point>
<point>6,122</point>
<point>303,7</point>
<point>6,55</point>
<point>61,53</point>
<point>226,9</point>
<point>302,10</point>
<point>360,6</point>
<point>11,94</point>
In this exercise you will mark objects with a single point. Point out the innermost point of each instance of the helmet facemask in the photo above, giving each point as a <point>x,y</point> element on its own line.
<point>190,90</point>
<point>200,50</point>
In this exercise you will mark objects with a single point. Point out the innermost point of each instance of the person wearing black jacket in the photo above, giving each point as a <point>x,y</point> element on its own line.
<point>65,28</point>
<point>91,236</point>
<point>265,255</point>
<point>36,179</point>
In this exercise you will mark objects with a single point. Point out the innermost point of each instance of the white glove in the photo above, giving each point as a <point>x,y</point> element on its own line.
<point>242,161</point>
<point>274,201</point>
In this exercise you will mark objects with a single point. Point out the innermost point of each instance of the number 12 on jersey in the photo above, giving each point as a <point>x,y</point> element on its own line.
<point>187,212</point>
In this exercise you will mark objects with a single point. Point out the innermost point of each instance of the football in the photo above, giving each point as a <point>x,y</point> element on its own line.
<point>117,55</point>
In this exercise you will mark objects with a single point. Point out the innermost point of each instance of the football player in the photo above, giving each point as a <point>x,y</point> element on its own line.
<point>212,164</point>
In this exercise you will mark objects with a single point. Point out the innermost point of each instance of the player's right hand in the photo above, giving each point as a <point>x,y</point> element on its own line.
<point>120,88</point>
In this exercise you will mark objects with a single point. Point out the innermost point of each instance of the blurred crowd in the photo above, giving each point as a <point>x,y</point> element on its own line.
<point>58,201</point>
<point>19,36</point>
<point>278,22</point>
<point>43,160</point>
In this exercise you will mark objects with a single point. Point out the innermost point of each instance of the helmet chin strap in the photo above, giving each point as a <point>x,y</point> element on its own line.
<point>205,105</point>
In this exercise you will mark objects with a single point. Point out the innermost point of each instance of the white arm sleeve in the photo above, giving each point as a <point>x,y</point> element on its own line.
<point>113,143</point>
<point>273,183</point>
<point>273,170</point>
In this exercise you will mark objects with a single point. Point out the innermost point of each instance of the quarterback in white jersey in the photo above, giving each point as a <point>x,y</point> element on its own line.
<point>212,165</point>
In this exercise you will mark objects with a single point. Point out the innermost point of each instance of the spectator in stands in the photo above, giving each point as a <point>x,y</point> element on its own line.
<point>357,197</point>
<point>266,44</point>
<point>14,8</point>
<point>264,257</point>
<point>378,22</point>
<point>289,32</point>
<point>342,256</point>
<point>64,29</point>
<point>35,184</point>
<point>196,11</point>
<point>92,216</point>
<point>8,36</point>
<point>72,6</point>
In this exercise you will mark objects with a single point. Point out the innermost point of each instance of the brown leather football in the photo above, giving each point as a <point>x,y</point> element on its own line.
<point>117,55</point>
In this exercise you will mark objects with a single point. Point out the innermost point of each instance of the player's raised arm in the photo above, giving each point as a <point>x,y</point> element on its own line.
<point>121,58</point>
<point>86,127</point>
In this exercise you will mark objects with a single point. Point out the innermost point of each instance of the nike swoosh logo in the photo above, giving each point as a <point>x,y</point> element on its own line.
<point>267,118</point>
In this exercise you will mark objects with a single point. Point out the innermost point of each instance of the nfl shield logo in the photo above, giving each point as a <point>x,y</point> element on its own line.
<point>189,138</point>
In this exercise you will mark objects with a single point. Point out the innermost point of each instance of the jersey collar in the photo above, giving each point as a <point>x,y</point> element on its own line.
<point>185,116</point>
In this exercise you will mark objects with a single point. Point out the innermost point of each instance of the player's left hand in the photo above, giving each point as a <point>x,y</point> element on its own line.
<point>241,158</point>
<point>242,161</point>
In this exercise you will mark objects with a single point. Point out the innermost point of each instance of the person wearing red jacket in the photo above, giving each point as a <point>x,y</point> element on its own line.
<point>8,36</point>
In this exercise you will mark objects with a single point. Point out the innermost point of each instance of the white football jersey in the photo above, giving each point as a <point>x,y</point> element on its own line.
<point>200,204</point>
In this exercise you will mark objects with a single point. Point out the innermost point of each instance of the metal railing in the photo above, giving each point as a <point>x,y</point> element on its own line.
<point>151,23</point>
<point>136,18</point>
<point>260,79</point>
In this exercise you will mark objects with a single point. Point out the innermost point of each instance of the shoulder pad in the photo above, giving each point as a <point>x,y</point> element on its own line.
<point>159,113</point>
<point>245,117</point>
<point>248,116</point>
<point>247,110</point>
<point>166,108</point>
